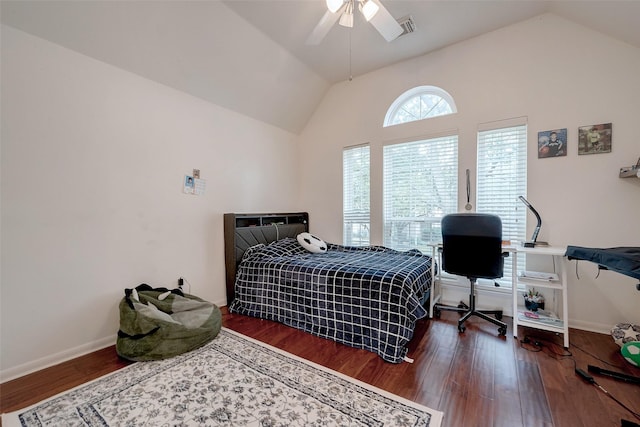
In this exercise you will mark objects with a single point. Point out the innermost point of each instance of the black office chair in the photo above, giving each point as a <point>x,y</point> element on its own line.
<point>472,247</point>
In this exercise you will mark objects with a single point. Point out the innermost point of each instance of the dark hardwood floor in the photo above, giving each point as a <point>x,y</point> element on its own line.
<point>475,378</point>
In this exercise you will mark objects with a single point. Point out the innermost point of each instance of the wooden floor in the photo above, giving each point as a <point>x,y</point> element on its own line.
<point>475,378</point>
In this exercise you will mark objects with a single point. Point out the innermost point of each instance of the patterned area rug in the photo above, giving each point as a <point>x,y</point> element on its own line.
<point>233,380</point>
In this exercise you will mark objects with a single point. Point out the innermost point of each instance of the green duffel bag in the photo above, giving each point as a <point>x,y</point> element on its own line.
<point>158,324</point>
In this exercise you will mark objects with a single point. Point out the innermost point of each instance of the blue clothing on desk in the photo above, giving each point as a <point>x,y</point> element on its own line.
<point>623,260</point>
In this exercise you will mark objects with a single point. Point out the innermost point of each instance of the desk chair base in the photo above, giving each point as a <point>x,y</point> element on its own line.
<point>470,310</point>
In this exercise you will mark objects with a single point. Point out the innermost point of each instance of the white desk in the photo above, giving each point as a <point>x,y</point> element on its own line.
<point>559,286</point>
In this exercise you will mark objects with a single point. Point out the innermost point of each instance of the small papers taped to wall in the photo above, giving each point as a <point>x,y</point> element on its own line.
<point>188,184</point>
<point>194,186</point>
<point>200,186</point>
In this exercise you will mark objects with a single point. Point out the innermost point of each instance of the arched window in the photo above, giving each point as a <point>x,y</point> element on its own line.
<point>419,103</point>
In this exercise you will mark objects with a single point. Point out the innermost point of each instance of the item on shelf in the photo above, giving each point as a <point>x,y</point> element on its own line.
<point>539,275</point>
<point>541,316</point>
<point>533,300</point>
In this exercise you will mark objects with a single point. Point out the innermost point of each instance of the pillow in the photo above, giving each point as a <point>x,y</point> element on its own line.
<point>312,243</point>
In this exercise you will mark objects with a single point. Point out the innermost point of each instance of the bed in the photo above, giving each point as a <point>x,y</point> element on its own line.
<point>364,297</point>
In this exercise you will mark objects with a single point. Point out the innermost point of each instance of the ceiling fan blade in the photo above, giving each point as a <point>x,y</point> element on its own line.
<point>322,29</point>
<point>386,24</point>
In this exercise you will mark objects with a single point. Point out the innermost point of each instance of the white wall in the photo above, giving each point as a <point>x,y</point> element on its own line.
<point>199,47</point>
<point>556,74</point>
<point>93,159</point>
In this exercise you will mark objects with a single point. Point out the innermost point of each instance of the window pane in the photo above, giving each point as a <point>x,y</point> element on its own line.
<point>420,187</point>
<point>502,177</point>
<point>434,105</point>
<point>419,103</point>
<point>355,165</point>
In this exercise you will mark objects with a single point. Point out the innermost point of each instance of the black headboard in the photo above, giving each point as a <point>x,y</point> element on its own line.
<point>241,231</point>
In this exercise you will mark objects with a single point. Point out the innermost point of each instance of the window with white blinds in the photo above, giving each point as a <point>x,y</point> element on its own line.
<point>420,187</point>
<point>502,177</point>
<point>355,193</point>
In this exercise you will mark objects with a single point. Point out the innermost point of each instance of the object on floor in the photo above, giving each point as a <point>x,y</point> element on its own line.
<point>631,352</point>
<point>623,333</point>
<point>232,380</point>
<point>472,247</point>
<point>589,379</point>
<point>155,325</point>
<point>615,375</point>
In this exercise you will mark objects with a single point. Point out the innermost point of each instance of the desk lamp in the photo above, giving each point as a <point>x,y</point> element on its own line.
<point>533,242</point>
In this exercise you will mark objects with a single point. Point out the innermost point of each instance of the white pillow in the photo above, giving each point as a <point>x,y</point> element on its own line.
<point>312,243</point>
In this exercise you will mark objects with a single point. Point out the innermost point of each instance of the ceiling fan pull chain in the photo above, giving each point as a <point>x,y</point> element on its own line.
<point>350,72</point>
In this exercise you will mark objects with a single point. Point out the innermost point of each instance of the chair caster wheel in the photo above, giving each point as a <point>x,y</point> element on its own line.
<point>502,331</point>
<point>461,328</point>
<point>499,316</point>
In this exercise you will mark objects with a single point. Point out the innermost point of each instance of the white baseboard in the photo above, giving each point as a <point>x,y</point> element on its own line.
<point>590,326</point>
<point>55,359</point>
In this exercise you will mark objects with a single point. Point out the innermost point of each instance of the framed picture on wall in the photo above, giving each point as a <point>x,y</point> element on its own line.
<point>595,139</point>
<point>552,143</point>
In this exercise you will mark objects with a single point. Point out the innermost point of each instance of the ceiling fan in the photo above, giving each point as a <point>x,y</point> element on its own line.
<point>342,11</point>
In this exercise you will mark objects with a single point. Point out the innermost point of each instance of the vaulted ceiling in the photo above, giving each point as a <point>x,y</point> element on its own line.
<point>250,56</point>
<point>438,24</point>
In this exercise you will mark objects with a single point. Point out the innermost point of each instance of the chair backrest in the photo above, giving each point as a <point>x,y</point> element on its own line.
<point>472,245</point>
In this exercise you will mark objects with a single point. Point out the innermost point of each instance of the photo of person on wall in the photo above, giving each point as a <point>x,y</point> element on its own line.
<point>552,143</point>
<point>594,139</point>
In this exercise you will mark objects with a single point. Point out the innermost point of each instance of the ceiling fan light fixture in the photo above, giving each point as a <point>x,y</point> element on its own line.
<point>334,5</point>
<point>346,20</point>
<point>372,10</point>
<point>369,9</point>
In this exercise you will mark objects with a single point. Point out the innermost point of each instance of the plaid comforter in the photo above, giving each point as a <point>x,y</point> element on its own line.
<point>364,297</point>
